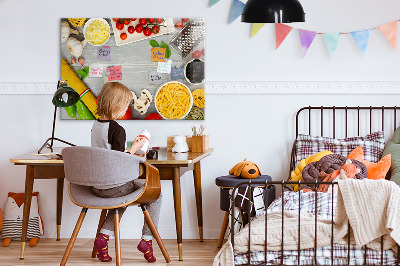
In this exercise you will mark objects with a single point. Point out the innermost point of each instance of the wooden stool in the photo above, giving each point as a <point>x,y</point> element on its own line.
<point>226,183</point>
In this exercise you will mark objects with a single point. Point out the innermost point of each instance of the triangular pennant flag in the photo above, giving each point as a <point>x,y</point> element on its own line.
<point>306,39</point>
<point>255,28</point>
<point>237,9</point>
<point>361,37</point>
<point>332,41</point>
<point>281,31</point>
<point>389,30</point>
<point>213,2</point>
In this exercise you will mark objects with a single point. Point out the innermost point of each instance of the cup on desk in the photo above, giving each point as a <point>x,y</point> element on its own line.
<point>152,155</point>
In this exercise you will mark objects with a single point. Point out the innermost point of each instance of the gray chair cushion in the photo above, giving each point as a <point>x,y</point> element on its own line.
<point>99,167</point>
<point>84,196</point>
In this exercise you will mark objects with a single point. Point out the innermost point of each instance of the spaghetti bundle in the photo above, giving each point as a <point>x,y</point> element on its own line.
<point>173,100</point>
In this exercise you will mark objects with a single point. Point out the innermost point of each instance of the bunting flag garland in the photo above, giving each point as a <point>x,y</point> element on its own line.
<point>256,28</point>
<point>281,31</point>
<point>389,30</point>
<point>361,37</point>
<point>213,2</point>
<point>332,41</point>
<point>237,8</point>
<point>306,39</point>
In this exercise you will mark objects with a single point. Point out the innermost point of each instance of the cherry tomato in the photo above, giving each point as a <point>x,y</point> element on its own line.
<point>185,19</point>
<point>120,26</point>
<point>196,54</point>
<point>123,36</point>
<point>179,24</point>
<point>151,20</point>
<point>131,29</point>
<point>133,19</point>
<point>142,21</point>
<point>147,32</point>
<point>127,115</point>
<point>155,29</point>
<point>139,28</point>
<point>126,21</point>
<point>203,52</point>
<point>159,20</point>
<point>116,19</point>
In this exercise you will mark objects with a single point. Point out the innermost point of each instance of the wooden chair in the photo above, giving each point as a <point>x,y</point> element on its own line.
<point>85,167</point>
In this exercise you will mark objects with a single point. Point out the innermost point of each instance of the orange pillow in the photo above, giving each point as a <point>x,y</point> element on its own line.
<point>375,170</point>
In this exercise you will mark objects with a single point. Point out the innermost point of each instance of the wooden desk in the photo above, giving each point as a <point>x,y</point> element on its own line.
<point>168,164</point>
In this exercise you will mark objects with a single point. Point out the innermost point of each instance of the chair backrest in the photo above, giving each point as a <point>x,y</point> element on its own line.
<point>92,166</point>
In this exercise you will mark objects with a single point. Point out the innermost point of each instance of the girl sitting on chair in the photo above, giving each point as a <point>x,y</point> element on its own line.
<point>114,100</point>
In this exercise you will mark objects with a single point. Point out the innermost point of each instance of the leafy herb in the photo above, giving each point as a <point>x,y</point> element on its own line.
<point>168,51</point>
<point>154,43</point>
<point>83,73</point>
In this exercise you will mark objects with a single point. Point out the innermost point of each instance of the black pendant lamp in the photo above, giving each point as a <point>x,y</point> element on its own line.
<point>273,11</point>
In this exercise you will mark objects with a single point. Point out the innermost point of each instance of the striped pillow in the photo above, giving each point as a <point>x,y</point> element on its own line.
<point>372,145</point>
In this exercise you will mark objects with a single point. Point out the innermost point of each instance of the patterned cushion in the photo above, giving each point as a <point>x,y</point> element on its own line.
<point>372,144</point>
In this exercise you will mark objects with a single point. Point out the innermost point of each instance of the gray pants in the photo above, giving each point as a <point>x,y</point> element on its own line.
<point>154,208</point>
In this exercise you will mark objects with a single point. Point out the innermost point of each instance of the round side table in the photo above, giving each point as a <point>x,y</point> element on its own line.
<point>228,182</point>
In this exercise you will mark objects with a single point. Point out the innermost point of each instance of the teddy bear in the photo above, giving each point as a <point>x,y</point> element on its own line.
<point>142,103</point>
<point>13,215</point>
<point>245,169</point>
<point>180,144</point>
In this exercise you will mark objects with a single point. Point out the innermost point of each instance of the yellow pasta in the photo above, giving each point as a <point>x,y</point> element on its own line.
<point>173,101</point>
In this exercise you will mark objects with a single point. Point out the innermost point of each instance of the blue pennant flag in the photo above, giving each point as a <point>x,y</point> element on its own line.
<point>213,2</point>
<point>332,41</point>
<point>237,9</point>
<point>361,37</point>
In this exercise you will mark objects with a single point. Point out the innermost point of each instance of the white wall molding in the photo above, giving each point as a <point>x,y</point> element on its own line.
<point>249,87</point>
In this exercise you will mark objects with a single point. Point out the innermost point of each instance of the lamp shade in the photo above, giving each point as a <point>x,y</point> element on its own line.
<point>273,11</point>
<point>65,96</point>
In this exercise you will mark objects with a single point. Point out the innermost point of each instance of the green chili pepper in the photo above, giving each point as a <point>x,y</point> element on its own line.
<point>71,111</point>
<point>83,111</point>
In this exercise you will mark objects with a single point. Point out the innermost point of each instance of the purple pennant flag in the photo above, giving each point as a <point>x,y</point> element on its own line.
<point>237,9</point>
<point>306,39</point>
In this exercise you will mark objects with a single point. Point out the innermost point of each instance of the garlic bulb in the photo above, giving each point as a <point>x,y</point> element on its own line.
<point>66,31</point>
<point>75,47</point>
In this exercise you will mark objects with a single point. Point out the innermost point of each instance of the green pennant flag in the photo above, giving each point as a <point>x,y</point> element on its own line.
<point>213,2</point>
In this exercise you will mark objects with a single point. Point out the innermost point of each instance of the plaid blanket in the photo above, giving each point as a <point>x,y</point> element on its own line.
<point>323,205</point>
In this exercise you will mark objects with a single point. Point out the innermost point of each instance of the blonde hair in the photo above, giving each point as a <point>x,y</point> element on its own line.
<point>112,98</point>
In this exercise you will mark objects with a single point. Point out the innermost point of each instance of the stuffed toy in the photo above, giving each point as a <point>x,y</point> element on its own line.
<point>13,215</point>
<point>375,170</point>
<point>296,174</point>
<point>180,144</point>
<point>245,169</point>
<point>1,219</point>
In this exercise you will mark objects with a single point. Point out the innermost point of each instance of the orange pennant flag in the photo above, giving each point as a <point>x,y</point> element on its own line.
<point>281,31</point>
<point>389,30</point>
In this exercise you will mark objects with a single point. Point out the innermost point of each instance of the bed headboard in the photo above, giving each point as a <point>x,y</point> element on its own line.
<point>344,121</point>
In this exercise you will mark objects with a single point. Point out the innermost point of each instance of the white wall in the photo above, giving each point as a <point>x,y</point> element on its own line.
<point>258,126</point>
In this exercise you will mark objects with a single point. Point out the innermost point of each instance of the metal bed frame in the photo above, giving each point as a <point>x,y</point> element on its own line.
<point>283,184</point>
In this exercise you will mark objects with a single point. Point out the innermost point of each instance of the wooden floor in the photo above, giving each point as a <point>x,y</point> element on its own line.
<point>50,252</point>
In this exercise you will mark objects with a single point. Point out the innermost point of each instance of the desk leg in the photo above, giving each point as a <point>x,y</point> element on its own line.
<point>60,190</point>
<point>197,189</point>
<point>176,182</point>
<point>27,206</point>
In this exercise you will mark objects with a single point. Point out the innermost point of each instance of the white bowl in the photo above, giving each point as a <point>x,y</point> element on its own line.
<point>162,85</point>
<point>88,23</point>
<point>184,72</point>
